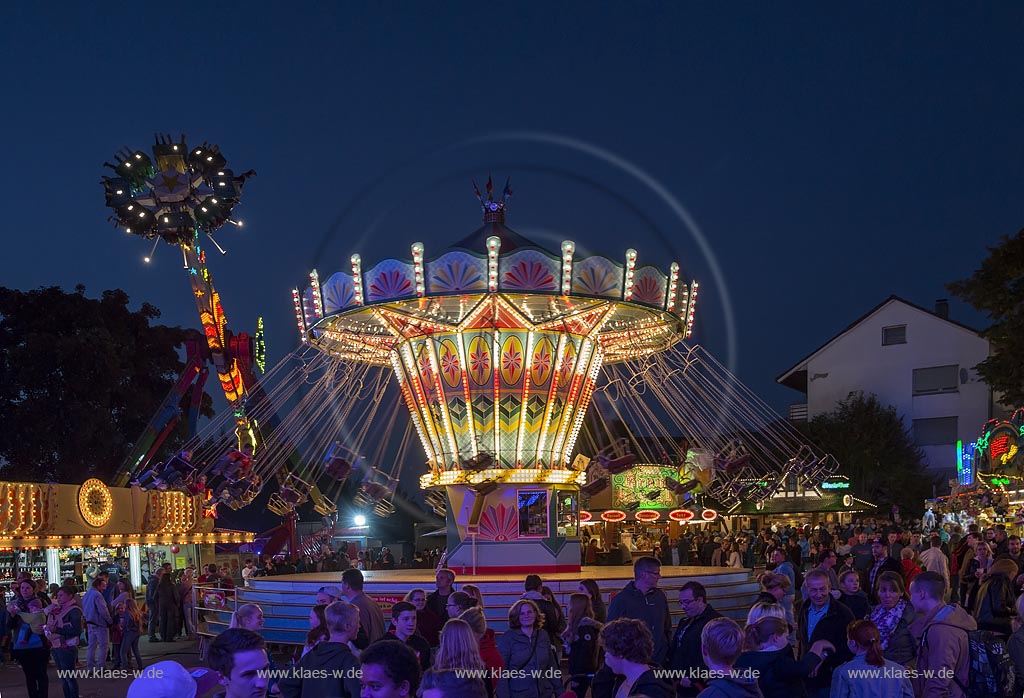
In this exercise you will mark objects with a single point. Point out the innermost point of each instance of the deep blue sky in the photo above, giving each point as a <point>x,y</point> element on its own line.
<point>831,157</point>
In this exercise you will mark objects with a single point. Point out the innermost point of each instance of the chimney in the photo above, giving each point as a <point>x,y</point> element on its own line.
<point>942,308</point>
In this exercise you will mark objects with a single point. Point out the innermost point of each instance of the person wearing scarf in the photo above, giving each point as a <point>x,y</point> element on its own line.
<point>893,616</point>
<point>63,629</point>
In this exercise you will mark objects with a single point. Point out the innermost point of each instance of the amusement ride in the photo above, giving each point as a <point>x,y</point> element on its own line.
<point>530,378</point>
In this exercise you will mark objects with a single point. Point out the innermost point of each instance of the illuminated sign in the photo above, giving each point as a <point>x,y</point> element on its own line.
<point>585,516</point>
<point>638,484</point>
<point>613,515</point>
<point>839,485</point>
<point>647,515</point>
<point>709,515</point>
<point>680,515</point>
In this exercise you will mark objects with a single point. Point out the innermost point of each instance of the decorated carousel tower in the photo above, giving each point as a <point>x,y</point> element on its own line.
<point>497,344</point>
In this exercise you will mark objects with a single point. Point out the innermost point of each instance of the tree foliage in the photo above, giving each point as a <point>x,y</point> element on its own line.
<point>997,289</point>
<point>875,451</point>
<point>80,378</point>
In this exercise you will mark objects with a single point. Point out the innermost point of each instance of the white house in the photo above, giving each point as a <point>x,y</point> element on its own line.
<point>917,360</point>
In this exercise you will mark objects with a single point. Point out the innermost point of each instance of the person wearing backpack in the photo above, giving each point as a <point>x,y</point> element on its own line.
<point>941,631</point>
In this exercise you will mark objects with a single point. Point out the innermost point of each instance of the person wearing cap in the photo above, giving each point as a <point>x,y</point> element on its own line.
<point>328,595</point>
<point>881,562</point>
<point>166,680</point>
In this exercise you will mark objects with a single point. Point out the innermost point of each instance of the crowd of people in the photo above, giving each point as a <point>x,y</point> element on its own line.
<point>868,609</point>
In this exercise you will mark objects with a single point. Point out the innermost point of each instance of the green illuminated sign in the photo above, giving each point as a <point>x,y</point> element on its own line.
<point>635,485</point>
<point>835,485</point>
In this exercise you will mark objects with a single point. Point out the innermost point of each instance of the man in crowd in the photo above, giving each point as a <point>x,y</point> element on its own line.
<point>822,618</point>
<point>861,552</point>
<point>437,601</point>
<point>643,600</point>
<point>97,617</point>
<point>933,559</point>
<point>370,616</point>
<point>881,563</point>
<point>552,618</point>
<point>684,653</point>
<point>403,616</point>
<point>240,656</point>
<point>331,660</point>
<point>941,634</point>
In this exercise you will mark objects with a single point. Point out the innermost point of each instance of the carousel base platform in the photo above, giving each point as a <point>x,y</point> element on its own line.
<point>286,600</point>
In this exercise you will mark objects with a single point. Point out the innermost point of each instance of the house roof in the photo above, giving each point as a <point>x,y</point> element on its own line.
<point>796,376</point>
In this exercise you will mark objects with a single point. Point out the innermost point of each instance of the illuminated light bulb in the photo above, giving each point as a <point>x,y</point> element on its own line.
<point>120,191</point>
<point>128,164</point>
<point>199,151</point>
<point>175,147</point>
<point>209,158</point>
<point>138,156</point>
<point>131,207</point>
<point>146,260</point>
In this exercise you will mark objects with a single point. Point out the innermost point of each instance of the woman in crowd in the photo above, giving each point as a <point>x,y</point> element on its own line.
<point>33,654</point>
<point>581,640</point>
<point>427,623</point>
<point>971,576</point>
<point>63,629</point>
<point>474,617</point>
<point>735,559</point>
<point>766,649</point>
<point>892,618</point>
<point>459,648</point>
<point>526,647</point>
<point>776,588</point>
<point>848,679</point>
<point>995,607</point>
<point>628,647</point>
<point>590,588</point>
<point>549,596</point>
<point>911,567</point>
<point>318,631</point>
<point>473,591</point>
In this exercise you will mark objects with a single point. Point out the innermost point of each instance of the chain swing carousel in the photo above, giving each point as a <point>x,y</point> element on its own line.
<point>491,354</point>
<point>498,347</point>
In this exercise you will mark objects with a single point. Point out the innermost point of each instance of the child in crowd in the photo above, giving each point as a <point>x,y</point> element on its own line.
<point>33,622</point>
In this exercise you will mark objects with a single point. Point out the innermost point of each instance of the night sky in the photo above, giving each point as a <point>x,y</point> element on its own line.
<point>827,157</point>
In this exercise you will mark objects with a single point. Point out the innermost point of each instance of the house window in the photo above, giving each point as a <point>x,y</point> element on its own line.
<point>937,431</point>
<point>936,379</point>
<point>897,334</point>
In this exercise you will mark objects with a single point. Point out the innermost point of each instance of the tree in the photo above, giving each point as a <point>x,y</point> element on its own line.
<point>875,451</point>
<point>80,379</point>
<point>997,289</point>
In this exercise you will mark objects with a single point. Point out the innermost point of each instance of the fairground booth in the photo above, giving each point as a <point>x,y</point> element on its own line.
<point>60,531</point>
<point>989,488</point>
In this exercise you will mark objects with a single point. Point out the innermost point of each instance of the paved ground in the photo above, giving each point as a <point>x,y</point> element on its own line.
<point>12,680</point>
